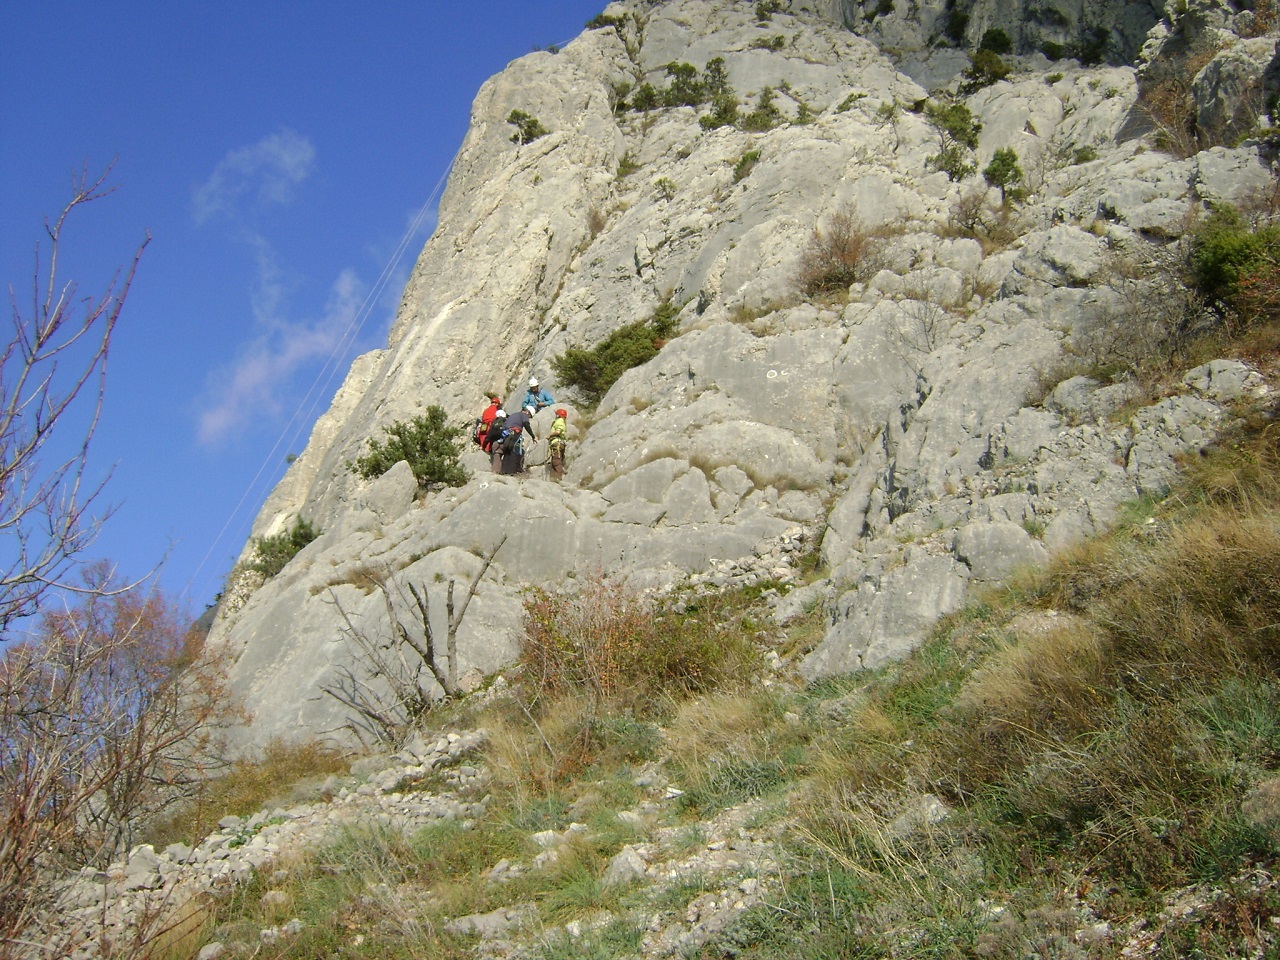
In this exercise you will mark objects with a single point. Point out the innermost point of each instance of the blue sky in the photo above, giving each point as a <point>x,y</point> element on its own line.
<point>279,155</point>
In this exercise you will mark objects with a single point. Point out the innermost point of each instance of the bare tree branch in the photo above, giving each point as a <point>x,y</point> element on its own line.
<point>52,368</point>
<point>387,689</point>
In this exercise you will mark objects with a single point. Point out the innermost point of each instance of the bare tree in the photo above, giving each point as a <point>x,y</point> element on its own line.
<point>108,713</point>
<point>52,373</point>
<point>396,678</point>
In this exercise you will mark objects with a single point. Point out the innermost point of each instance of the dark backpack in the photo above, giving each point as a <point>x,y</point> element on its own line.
<point>494,433</point>
<point>510,439</point>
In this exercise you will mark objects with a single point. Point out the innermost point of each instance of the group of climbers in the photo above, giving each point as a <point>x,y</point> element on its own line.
<point>506,437</point>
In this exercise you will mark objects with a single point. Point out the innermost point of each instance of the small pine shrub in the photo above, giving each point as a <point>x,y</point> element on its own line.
<point>957,130</point>
<point>1003,172</point>
<point>715,78</point>
<point>765,116</point>
<point>270,554</point>
<point>765,10</point>
<point>746,163</point>
<point>987,68</point>
<point>957,25</point>
<point>602,21</point>
<point>849,101</point>
<point>1093,46</point>
<point>618,93</point>
<point>646,98</point>
<point>528,128</point>
<point>685,88</point>
<point>769,43</point>
<point>627,165</point>
<point>1236,267</point>
<point>724,113</point>
<point>996,40</point>
<point>431,447</point>
<point>592,371</point>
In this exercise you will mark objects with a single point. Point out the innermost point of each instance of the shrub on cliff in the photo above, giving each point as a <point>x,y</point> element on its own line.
<point>270,554</point>
<point>1236,267</point>
<point>619,648</point>
<point>957,130</point>
<point>528,127</point>
<point>592,371</point>
<point>846,252</point>
<point>427,443</point>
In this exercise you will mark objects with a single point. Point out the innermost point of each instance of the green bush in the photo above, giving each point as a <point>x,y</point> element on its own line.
<point>685,89</point>
<point>850,100</point>
<point>646,98</point>
<point>997,41</point>
<point>724,113</point>
<point>715,78</point>
<point>987,68</point>
<point>602,20</point>
<point>270,554</point>
<point>765,10</point>
<point>957,130</point>
<point>1235,265</point>
<point>1003,172</point>
<point>528,128</point>
<point>765,116</point>
<point>1093,45</point>
<point>769,43</point>
<point>427,442</point>
<point>957,25</point>
<point>627,165</point>
<point>591,372</point>
<point>746,163</point>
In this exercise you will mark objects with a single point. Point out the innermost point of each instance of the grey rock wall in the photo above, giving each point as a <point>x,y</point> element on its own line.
<point>908,430</point>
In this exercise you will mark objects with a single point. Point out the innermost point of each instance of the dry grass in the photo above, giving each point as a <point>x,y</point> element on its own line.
<point>622,649</point>
<point>284,774</point>
<point>844,253</point>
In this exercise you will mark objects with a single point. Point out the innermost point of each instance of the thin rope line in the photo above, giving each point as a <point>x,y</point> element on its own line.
<point>325,374</point>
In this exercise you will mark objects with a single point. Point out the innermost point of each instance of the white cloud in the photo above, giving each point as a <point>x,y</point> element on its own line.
<point>259,175</point>
<point>250,389</point>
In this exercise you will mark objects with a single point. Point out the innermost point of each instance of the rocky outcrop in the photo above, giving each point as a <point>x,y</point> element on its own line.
<point>912,427</point>
<point>1102,30</point>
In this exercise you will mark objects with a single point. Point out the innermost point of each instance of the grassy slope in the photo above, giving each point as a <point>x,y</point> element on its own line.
<point>1036,780</point>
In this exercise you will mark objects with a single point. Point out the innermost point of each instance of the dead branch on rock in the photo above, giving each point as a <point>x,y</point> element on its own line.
<point>395,679</point>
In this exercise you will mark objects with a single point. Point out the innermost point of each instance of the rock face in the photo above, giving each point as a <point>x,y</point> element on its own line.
<point>912,427</point>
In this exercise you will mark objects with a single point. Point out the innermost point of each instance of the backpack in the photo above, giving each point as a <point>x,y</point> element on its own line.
<point>478,431</point>
<point>510,439</point>
<point>494,431</point>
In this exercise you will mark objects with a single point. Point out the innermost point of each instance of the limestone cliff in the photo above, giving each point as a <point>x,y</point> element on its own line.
<point>912,428</point>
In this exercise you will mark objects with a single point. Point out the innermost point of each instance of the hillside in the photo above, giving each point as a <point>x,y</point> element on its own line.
<point>1081,764</point>
<point>870,353</point>
<point>912,590</point>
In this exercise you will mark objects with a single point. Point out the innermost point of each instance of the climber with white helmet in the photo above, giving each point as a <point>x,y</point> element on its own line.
<point>533,397</point>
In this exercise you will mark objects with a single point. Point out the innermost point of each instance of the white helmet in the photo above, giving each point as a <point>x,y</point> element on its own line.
<point>533,382</point>
<point>529,409</point>
<point>500,413</point>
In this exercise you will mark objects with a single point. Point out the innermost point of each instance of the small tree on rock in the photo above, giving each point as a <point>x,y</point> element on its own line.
<point>430,446</point>
<point>957,130</point>
<point>1003,172</point>
<point>528,128</point>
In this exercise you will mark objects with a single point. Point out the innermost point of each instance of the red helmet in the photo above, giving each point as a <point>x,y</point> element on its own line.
<point>562,412</point>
